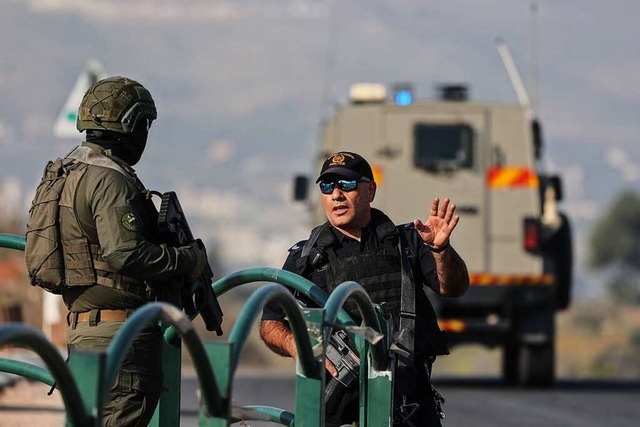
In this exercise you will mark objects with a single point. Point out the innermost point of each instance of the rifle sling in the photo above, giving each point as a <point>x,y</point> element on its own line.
<point>407,325</point>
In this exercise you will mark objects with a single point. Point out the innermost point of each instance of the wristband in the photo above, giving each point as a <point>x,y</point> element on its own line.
<point>437,250</point>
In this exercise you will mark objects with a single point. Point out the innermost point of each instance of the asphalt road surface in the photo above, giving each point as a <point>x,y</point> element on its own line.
<point>473,403</point>
<point>470,403</point>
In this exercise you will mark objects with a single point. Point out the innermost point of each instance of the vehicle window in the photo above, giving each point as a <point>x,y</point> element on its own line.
<point>443,147</point>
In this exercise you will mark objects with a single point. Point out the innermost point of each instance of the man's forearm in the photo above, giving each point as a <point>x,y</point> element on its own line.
<point>277,335</point>
<point>452,273</point>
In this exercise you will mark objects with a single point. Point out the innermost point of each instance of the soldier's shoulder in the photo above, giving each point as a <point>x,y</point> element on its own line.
<point>297,248</point>
<point>108,176</point>
<point>407,228</point>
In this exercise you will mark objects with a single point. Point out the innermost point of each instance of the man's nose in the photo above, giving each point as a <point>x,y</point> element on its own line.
<point>337,194</point>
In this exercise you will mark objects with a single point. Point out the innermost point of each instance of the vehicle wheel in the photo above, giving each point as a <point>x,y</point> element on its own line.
<point>537,365</point>
<point>559,251</point>
<point>565,265</point>
<point>510,363</point>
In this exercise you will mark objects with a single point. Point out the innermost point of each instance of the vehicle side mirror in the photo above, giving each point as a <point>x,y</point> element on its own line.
<point>555,182</point>
<point>300,188</point>
<point>536,129</point>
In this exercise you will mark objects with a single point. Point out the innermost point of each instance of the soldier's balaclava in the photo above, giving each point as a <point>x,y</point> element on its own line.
<point>128,147</point>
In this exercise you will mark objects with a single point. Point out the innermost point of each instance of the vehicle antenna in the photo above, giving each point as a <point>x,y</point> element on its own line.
<point>535,77</point>
<point>514,76</point>
<point>328,65</point>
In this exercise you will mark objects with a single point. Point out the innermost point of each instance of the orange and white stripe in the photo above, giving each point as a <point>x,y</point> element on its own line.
<point>511,177</point>
<point>452,325</point>
<point>482,279</point>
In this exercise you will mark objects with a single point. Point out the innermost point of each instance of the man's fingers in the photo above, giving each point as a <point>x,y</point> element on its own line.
<point>434,207</point>
<point>332,369</point>
<point>453,223</point>
<point>449,215</point>
<point>443,208</point>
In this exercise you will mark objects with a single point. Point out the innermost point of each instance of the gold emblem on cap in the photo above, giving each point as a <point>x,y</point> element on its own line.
<point>337,159</point>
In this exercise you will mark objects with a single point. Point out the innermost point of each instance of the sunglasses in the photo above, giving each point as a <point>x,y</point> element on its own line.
<point>327,187</point>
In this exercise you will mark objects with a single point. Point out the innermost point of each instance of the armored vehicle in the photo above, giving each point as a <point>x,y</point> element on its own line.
<point>486,157</point>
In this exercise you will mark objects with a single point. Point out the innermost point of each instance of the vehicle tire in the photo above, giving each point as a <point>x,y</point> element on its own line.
<point>560,257</point>
<point>511,363</point>
<point>537,365</point>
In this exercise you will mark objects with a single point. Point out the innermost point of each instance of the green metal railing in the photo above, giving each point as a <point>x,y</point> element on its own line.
<point>85,382</point>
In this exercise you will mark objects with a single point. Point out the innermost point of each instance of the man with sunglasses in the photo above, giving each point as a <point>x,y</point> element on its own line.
<point>111,248</point>
<point>362,244</point>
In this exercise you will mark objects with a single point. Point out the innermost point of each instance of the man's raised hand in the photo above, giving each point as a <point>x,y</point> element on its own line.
<point>438,227</point>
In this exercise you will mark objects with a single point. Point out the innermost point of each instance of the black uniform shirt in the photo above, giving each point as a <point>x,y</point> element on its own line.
<point>369,241</point>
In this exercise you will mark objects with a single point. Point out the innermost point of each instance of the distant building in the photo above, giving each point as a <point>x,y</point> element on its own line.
<point>21,302</point>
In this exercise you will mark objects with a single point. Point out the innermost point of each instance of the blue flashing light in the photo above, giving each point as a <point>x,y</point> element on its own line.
<point>404,98</point>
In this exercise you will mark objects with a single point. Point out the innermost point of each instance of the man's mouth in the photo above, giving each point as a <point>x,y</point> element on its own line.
<point>340,209</point>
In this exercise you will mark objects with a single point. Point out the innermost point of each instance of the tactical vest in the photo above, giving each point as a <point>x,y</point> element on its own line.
<point>83,262</point>
<point>376,271</point>
<point>380,274</point>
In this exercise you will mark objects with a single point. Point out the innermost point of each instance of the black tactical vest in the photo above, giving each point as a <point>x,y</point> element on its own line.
<point>377,272</point>
<point>380,274</point>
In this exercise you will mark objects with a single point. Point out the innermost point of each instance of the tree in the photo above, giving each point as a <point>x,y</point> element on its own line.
<point>615,246</point>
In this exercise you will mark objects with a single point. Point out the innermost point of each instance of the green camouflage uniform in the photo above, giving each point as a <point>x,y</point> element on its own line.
<point>108,212</point>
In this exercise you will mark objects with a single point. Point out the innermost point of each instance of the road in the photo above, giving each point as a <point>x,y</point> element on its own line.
<point>470,403</point>
<point>476,403</point>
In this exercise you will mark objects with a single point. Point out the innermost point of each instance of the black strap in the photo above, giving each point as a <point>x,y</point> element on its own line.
<point>406,336</point>
<point>313,238</point>
<point>312,253</point>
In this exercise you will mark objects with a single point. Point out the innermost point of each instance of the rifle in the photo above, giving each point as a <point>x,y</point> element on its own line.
<point>344,356</point>
<point>196,296</point>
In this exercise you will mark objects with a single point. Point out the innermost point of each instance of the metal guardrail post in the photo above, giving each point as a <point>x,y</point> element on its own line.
<point>286,278</point>
<point>252,310</point>
<point>148,315</point>
<point>94,372</point>
<point>308,370</point>
<point>26,370</point>
<point>376,392</point>
<point>335,302</point>
<point>379,385</point>
<point>167,412</point>
<point>31,338</point>
<point>12,241</point>
<point>221,355</point>
<point>310,390</point>
<point>88,371</point>
<point>269,413</point>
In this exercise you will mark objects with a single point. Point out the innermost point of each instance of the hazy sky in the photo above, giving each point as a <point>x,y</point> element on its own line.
<point>241,87</point>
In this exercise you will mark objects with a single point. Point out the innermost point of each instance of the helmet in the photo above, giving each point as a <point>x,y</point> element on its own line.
<point>115,104</point>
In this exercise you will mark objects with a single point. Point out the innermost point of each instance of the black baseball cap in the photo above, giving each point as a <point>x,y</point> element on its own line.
<point>346,164</point>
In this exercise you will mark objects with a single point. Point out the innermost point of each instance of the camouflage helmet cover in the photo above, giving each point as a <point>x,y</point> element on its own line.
<point>115,104</point>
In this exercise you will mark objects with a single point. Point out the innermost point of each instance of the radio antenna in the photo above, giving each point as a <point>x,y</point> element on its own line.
<point>329,60</point>
<point>535,77</point>
<point>514,76</point>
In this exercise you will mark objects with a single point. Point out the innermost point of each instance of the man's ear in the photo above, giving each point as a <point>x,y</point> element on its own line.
<point>372,191</point>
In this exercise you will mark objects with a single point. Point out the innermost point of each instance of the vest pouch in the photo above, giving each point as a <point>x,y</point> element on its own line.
<point>79,263</point>
<point>376,272</point>
<point>43,253</point>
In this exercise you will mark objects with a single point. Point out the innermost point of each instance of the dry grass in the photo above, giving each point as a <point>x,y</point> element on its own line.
<point>593,340</point>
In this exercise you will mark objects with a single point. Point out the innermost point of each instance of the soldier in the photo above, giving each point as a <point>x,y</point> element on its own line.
<point>110,244</point>
<point>360,243</point>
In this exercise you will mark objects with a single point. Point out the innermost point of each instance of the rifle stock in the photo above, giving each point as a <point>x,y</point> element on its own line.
<point>196,296</point>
